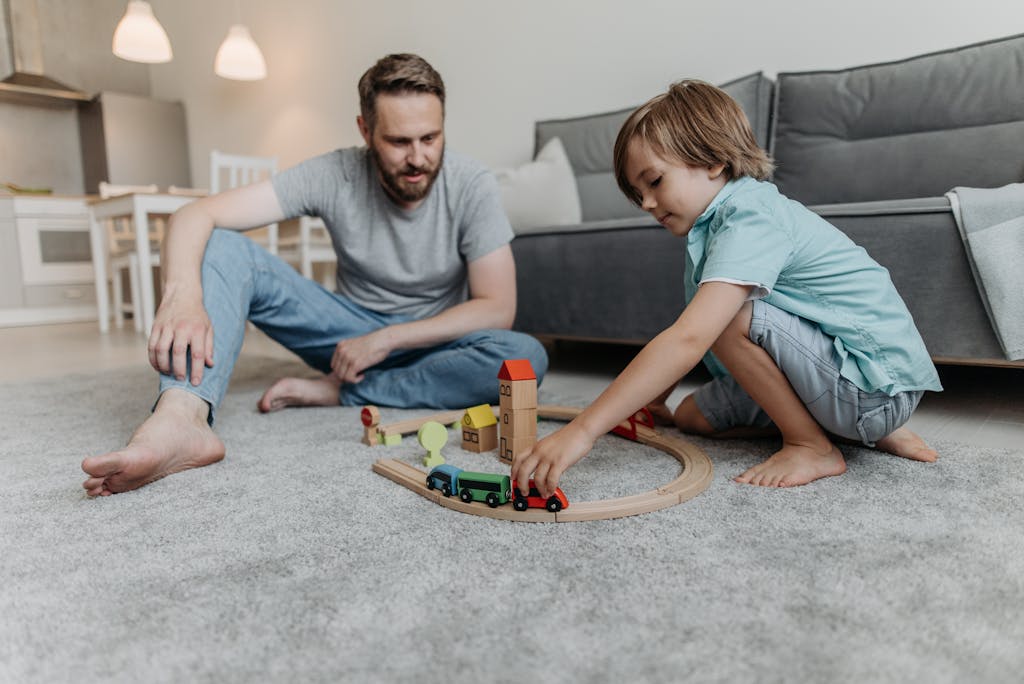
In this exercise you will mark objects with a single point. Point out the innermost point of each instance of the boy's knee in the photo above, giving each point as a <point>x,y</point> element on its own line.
<point>689,418</point>
<point>737,331</point>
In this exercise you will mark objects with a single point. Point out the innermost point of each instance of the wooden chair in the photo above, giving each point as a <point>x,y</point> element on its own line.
<point>315,247</point>
<point>121,255</point>
<point>228,171</point>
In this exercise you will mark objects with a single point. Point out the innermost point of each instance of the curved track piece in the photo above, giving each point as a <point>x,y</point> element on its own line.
<point>694,479</point>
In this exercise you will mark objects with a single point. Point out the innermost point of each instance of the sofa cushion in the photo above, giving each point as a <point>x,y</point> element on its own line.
<point>912,128</point>
<point>624,285</point>
<point>942,297</point>
<point>589,141</point>
<point>540,193</point>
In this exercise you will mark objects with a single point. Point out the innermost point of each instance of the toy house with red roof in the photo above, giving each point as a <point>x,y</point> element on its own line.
<point>517,389</point>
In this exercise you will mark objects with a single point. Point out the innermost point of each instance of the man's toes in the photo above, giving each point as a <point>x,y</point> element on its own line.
<point>102,466</point>
<point>93,483</point>
<point>95,486</point>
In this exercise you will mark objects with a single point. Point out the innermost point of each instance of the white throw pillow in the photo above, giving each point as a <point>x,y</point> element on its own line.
<point>541,193</point>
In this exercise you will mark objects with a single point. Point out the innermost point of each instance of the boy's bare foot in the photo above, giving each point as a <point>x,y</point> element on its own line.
<point>175,438</point>
<point>300,392</point>
<point>662,413</point>
<point>906,444</point>
<point>795,465</point>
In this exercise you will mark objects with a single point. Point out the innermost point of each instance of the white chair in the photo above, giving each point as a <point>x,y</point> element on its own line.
<point>187,192</point>
<point>228,171</point>
<point>121,255</point>
<point>315,247</point>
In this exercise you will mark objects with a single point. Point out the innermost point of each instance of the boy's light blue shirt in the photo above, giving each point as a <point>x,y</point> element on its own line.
<point>800,263</point>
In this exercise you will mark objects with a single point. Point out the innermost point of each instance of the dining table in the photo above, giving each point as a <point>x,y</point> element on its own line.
<point>141,208</point>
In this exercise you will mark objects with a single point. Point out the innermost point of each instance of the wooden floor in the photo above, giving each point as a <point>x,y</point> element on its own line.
<point>982,406</point>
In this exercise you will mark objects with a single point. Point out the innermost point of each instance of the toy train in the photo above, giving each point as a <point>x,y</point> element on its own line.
<point>494,490</point>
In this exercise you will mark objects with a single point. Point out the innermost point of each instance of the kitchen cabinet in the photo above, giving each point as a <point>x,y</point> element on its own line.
<point>46,273</point>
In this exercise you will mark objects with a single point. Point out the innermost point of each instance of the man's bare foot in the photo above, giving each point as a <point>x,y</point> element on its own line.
<point>175,438</point>
<point>906,444</point>
<point>300,392</point>
<point>795,465</point>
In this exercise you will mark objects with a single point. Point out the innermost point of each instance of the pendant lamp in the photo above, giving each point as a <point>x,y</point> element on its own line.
<point>139,37</point>
<point>239,58</point>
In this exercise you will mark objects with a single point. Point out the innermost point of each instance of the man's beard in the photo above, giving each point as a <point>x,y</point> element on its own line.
<point>398,189</point>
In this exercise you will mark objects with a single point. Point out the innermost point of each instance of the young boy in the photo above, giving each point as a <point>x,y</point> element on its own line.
<point>808,334</point>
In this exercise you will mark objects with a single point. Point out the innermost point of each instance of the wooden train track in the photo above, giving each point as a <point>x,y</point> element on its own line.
<point>695,477</point>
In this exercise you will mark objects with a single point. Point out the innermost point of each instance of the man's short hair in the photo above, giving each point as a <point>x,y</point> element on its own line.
<point>693,123</point>
<point>399,73</point>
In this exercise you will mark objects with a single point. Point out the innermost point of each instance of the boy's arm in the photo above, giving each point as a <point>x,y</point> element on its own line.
<point>181,322</point>
<point>672,354</point>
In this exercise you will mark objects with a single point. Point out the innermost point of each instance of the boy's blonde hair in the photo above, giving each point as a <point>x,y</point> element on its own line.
<point>697,124</point>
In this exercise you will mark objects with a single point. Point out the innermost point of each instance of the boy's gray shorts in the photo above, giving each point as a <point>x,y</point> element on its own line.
<point>807,357</point>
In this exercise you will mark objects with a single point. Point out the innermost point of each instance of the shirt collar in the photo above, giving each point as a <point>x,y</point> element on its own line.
<point>725,193</point>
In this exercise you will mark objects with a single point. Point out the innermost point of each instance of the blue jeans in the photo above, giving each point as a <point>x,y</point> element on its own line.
<point>242,281</point>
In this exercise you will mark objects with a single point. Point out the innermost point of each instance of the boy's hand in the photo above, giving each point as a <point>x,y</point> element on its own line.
<point>551,457</point>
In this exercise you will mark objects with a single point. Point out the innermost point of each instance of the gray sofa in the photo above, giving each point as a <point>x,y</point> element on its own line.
<point>873,149</point>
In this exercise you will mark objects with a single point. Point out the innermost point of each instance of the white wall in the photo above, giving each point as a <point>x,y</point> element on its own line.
<point>509,63</point>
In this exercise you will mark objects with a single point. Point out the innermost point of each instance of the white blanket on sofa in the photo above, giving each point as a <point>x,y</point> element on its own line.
<point>991,224</point>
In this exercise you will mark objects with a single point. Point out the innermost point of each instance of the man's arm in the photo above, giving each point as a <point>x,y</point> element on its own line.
<point>491,304</point>
<point>181,323</point>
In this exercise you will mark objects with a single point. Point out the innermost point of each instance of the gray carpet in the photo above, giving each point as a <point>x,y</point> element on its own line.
<point>291,561</point>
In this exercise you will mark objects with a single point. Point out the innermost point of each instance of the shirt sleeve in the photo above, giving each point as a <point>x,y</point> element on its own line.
<point>484,226</point>
<point>301,188</point>
<point>749,246</point>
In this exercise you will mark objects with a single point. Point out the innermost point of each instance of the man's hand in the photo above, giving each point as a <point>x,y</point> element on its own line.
<point>551,457</point>
<point>354,355</point>
<point>181,328</point>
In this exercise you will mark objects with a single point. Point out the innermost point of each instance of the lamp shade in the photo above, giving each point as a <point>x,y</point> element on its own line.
<point>139,37</point>
<point>239,57</point>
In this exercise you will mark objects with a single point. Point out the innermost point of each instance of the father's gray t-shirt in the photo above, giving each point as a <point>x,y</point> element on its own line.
<point>391,260</point>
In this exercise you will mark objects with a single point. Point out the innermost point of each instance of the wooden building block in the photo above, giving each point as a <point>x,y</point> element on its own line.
<point>414,424</point>
<point>370,418</point>
<point>478,416</point>
<point>480,440</point>
<point>432,436</point>
<point>510,448</point>
<point>517,394</point>
<point>519,422</point>
<point>516,369</point>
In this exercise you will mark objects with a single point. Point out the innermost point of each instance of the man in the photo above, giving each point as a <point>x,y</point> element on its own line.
<point>426,284</point>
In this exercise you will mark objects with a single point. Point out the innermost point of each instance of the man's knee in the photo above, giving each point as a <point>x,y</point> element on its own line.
<point>689,418</point>
<point>533,350</point>
<point>224,244</point>
<point>508,344</point>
